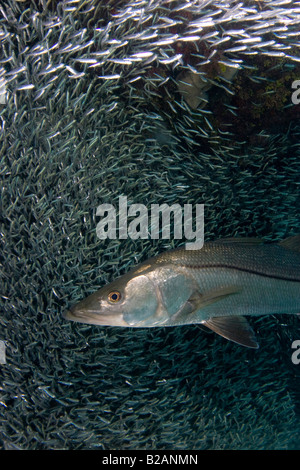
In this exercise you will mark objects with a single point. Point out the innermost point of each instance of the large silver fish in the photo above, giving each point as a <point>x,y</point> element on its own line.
<point>214,286</point>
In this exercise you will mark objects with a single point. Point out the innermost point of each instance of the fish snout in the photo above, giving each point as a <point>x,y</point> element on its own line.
<point>74,314</point>
<point>68,314</point>
<point>82,314</point>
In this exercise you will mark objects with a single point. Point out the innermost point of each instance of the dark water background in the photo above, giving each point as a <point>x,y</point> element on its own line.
<point>73,141</point>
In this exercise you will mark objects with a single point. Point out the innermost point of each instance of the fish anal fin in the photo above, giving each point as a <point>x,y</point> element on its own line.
<point>234,328</point>
<point>291,243</point>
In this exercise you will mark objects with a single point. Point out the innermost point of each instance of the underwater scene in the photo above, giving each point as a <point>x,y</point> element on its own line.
<point>154,145</point>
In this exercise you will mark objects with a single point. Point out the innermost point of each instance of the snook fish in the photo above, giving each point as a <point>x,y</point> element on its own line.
<point>214,286</point>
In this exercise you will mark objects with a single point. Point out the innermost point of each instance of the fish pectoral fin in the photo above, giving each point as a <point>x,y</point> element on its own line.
<point>215,295</point>
<point>198,301</point>
<point>234,328</point>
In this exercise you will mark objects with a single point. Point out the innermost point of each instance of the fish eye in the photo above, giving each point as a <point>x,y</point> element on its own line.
<point>114,296</point>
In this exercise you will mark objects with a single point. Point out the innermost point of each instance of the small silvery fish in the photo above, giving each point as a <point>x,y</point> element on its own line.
<point>214,286</point>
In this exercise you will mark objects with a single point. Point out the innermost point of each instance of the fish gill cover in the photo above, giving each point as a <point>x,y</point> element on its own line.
<point>163,101</point>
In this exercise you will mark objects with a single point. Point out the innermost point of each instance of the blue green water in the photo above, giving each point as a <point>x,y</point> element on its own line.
<point>92,111</point>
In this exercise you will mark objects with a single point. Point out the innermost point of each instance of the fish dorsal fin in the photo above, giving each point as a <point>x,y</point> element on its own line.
<point>291,243</point>
<point>240,241</point>
<point>234,328</point>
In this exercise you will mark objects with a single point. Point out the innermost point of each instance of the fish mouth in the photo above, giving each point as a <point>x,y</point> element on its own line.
<point>93,318</point>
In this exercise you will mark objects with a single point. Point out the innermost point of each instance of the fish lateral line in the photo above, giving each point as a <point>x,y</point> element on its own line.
<point>237,268</point>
